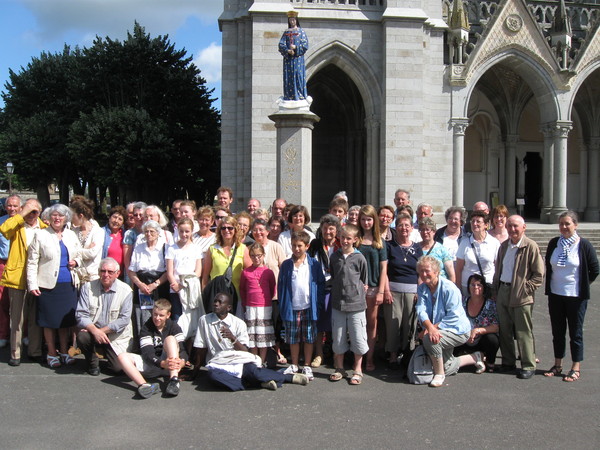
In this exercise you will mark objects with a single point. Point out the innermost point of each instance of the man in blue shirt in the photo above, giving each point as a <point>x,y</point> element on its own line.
<point>13,207</point>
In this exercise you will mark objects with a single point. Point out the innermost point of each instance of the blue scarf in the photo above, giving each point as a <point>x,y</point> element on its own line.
<point>565,245</point>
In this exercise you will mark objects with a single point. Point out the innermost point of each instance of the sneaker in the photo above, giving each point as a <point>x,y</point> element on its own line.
<point>3,343</point>
<point>316,362</point>
<point>147,390</point>
<point>300,378</point>
<point>291,369</point>
<point>173,387</point>
<point>479,364</point>
<point>438,381</point>
<point>306,370</point>
<point>270,385</point>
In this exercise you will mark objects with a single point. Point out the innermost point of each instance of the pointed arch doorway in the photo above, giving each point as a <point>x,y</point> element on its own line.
<point>339,139</point>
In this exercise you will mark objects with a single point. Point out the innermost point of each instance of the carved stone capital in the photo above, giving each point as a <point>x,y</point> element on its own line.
<point>562,128</point>
<point>547,129</point>
<point>512,139</point>
<point>594,144</point>
<point>459,126</point>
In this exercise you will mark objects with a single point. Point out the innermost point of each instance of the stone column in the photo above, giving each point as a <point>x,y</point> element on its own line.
<point>375,194</point>
<point>592,211</point>
<point>583,177</point>
<point>548,172</point>
<point>510,171</point>
<point>294,155</point>
<point>459,125</point>
<point>561,132</point>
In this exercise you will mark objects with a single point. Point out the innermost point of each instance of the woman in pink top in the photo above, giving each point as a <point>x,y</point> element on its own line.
<point>257,289</point>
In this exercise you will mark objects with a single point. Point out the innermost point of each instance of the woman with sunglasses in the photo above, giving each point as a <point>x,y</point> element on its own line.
<point>228,245</point>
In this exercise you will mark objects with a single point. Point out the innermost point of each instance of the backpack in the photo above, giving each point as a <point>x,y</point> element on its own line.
<point>420,369</point>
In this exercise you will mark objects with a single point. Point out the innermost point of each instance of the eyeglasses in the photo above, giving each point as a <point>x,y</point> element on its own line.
<point>227,228</point>
<point>110,272</point>
<point>476,285</point>
<point>259,255</point>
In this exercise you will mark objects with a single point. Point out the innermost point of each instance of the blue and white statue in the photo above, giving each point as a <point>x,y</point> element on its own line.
<point>292,45</point>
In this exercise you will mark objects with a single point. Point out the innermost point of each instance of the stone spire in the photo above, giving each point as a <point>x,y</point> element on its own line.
<point>458,18</point>
<point>561,34</point>
<point>459,33</point>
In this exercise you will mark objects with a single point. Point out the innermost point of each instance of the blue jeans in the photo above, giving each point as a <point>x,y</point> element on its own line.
<point>251,376</point>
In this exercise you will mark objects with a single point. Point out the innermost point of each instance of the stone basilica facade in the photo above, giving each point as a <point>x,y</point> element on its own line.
<point>454,101</point>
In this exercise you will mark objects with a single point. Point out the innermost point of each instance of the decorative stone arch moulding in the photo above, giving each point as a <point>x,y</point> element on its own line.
<point>590,54</point>
<point>513,27</point>
<point>353,65</point>
<point>540,81</point>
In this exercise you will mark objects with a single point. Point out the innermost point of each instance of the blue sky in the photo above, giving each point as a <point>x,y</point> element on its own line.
<point>29,27</point>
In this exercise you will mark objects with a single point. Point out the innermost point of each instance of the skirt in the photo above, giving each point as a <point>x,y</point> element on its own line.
<point>260,326</point>
<point>56,307</point>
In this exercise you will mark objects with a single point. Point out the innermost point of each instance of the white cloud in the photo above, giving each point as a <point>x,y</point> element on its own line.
<point>56,18</point>
<point>209,62</point>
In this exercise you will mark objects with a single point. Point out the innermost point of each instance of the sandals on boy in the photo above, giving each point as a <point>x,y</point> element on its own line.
<point>356,379</point>
<point>337,375</point>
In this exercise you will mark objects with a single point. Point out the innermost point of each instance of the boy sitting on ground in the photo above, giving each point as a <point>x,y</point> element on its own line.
<point>162,353</point>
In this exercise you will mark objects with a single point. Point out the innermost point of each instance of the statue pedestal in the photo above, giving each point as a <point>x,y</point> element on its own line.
<point>294,154</point>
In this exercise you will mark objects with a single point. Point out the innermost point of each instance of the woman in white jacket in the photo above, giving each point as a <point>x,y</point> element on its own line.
<point>53,254</point>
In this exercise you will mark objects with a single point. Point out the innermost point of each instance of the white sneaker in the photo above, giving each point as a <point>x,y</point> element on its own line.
<point>479,365</point>
<point>438,381</point>
<point>291,370</point>
<point>306,370</point>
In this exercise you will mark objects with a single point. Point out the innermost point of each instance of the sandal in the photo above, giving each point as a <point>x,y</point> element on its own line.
<point>316,362</point>
<point>338,375</point>
<point>356,379</point>
<point>554,371</point>
<point>53,361</point>
<point>573,375</point>
<point>66,359</point>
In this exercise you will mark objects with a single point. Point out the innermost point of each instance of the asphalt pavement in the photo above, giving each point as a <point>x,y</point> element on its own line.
<point>67,408</point>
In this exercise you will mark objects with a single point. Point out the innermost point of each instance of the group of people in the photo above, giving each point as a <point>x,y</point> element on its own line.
<point>231,292</point>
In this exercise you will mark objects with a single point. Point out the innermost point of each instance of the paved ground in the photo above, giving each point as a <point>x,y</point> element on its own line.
<point>70,409</point>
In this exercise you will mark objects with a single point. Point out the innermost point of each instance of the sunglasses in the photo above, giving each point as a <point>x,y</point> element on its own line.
<point>227,228</point>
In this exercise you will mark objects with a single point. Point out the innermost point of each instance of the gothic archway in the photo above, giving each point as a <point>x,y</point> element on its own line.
<point>339,139</point>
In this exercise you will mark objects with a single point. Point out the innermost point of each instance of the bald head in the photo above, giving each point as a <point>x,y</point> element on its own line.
<point>481,206</point>
<point>516,228</point>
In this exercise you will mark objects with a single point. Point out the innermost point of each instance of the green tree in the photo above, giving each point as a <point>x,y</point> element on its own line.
<point>121,112</point>
<point>41,102</point>
<point>121,148</point>
<point>150,74</point>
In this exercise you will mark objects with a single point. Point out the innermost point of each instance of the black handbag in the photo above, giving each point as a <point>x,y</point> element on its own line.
<point>221,284</point>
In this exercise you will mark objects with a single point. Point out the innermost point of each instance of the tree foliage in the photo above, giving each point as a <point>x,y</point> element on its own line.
<point>133,115</point>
